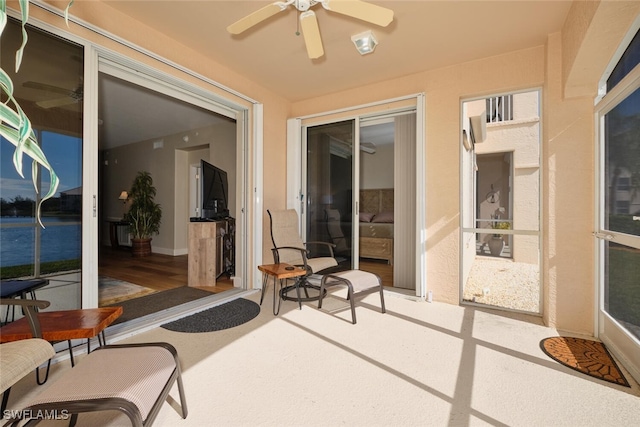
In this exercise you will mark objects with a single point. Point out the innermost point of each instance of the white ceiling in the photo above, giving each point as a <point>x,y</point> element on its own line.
<point>129,113</point>
<point>424,35</point>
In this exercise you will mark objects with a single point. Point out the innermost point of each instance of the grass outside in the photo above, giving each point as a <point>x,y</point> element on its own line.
<point>26,270</point>
<point>624,285</point>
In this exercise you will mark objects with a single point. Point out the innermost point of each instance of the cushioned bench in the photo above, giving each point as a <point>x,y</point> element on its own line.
<point>358,283</point>
<point>132,378</point>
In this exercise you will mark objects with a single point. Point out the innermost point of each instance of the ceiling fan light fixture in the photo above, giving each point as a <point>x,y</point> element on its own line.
<point>365,42</point>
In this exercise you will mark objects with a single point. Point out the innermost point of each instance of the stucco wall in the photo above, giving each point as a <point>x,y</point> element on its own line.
<point>591,36</point>
<point>568,140</point>
<point>444,88</point>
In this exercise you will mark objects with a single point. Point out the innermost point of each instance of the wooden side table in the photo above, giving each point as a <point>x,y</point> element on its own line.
<point>279,272</point>
<point>64,325</point>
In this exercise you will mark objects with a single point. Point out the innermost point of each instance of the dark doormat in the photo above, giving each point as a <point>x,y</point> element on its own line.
<point>148,304</point>
<point>224,316</point>
<point>589,357</point>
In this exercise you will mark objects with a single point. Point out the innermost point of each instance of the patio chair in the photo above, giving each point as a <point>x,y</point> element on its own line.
<point>17,359</point>
<point>134,379</point>
<point>334,228</point>
<point>289,248</point>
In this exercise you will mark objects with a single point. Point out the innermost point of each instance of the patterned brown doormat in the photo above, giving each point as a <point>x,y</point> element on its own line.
<point>586,356</point>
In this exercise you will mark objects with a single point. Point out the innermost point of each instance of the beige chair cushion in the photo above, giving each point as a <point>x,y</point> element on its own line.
<point>318,264</point>
<point>285,233</point>
<point>136,374</point>
<point>19,358</point>
<point>360,280</point>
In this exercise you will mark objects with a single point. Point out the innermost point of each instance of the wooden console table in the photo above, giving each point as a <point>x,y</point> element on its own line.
<point>205,252</point>
<point>211,251</point>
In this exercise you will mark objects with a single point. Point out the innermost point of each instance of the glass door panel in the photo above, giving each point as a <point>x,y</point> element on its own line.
<point>329,189</point>
<point>621,286</point>
<point>376,197</point>
<point>621,252</point>
<point>49,88</point>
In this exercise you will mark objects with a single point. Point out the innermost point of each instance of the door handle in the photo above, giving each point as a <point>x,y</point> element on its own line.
<point>605,236</point>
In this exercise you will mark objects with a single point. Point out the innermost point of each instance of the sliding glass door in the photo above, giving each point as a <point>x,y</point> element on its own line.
<point>328,203</point>
<point>49,88</point>
<point>618,235</point>
<point>359,192</point>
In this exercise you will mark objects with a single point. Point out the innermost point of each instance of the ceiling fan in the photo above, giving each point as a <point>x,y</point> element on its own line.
<point>69,96</point>
<point>309,23</point>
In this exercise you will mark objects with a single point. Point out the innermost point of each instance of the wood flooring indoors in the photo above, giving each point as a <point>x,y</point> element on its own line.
<point>158,272</point>
<point>162,272</point>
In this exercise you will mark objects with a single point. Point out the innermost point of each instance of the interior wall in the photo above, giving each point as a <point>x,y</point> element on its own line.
<point>376,170</point>
<point>165,160</point>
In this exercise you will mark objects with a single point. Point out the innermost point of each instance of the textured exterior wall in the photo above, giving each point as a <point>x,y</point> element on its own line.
<point>591,36</point>
<point>568,195</point>
<point>444,88</point>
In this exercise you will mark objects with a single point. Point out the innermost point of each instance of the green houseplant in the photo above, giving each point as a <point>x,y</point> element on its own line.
<point>500,225</point>
<point>144,215</point>
<point>496,243</point>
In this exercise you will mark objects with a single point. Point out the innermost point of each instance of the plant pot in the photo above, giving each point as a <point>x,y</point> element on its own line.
<point>140,247</point>
<point>496,245</point>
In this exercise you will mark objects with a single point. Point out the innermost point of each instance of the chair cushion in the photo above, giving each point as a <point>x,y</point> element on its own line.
<point>285,232</point>
<point>136,374</point>
<point>19,358</point>
<point>360,280</point>
<point>321,263</point>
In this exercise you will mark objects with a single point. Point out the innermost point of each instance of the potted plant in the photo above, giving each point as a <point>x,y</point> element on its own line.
<point>145,214</point>
<point>496,244</point>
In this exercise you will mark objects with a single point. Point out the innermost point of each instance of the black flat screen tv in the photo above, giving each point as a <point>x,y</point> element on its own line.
<point>214,192</point>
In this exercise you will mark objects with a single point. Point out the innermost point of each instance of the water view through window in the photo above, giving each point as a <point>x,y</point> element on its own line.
<point>49,89</point>
<point>25,248</point>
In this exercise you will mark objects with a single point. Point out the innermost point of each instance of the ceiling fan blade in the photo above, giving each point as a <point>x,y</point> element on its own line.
<point>311,34</point>
<point>360,10</point>
<point>256,17</point>
<point>48,88</point>
<point>58,102</point>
